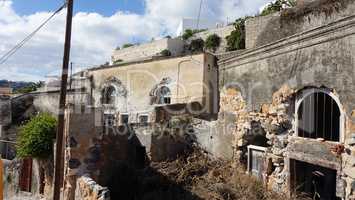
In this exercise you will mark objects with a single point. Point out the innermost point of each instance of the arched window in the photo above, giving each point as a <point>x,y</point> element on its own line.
<point>109,95</point>
<point>163,95</point>
<point>318,116</point>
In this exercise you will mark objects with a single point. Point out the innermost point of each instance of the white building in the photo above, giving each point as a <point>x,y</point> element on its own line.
<point>188,23</point>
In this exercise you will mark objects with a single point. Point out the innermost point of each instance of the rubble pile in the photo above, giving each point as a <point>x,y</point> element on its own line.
<point>203,178</point>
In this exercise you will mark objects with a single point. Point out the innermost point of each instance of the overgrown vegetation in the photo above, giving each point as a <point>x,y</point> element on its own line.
<point>117,61</point>
<point>197,45</point>
<point>127,45</point>
<point>165,52</point>
<point>326,7</point>
<point>212,42</point>
<point>36,137</point>
<point>193,176</point>
<point>236,40</point>
<point>29,88</point>
<point>189,33</point>
<point>277,6</point>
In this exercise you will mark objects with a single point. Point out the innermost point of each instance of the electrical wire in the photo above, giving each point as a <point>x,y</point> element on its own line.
<point>12,51</point>
<point>199,15</point>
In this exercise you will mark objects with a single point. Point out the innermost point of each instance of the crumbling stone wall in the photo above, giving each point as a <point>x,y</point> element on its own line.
<point>307,15</point>
<point>88,189</point>
<point>92,150</point>
<point>265,85</point>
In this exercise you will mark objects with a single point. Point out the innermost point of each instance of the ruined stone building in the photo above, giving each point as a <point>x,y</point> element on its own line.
<point>291,98</point>
<point>284,107</point>
<point>125,114</point>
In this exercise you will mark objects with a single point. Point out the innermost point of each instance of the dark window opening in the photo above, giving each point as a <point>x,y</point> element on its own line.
<point>319,117</point>
<point>143,119</point>
<point>109,120</point>
<point>167,100</point>
<point>124,119</point>
<point>109,95</point>
<point>163,95</point>
<point>316,182</point>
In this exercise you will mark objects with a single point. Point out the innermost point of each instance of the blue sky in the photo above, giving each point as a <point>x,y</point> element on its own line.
<point>99,26</point>
<point>104,7</point>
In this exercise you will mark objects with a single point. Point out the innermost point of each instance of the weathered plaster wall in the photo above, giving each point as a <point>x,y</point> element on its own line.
<point>222,32</point>
<point>5,111</point>
<point>49,102</point>
<point>267,29</point>
<point>93,150</point>
<point>11,179</point>
<point>186,77</point>
<point>266,82</point>
<point>175,46</point>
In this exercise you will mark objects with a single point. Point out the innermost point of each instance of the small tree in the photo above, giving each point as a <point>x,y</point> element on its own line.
<point>36,137</point>
<point>212,42</point>
<point>197,45</point>
<point>127,45</point>
<point>29,88</point>
<point>277,6</point>
<point>117,61</point>
<point>236,40</point>
<point>188,33</point>
<point>165,52</point>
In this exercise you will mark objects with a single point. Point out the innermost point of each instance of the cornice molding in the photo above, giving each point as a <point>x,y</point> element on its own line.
<point>332,31</point>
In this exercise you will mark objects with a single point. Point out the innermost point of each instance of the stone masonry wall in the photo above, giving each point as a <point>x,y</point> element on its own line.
<point>260,87</point>
<point>264,30</point>
<point>88,189</point>
<point>221,32</point>
<point>137,52</point>
<point>92,150</point>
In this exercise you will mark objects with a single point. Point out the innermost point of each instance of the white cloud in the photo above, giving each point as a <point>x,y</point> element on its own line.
<point>95,36</point>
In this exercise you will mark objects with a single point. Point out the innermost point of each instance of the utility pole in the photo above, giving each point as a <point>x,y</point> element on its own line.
<point>59,157</point>
<point>71,74</point>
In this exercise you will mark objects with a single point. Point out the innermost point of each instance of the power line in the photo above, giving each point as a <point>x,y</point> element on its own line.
<point>199,15</point>
<point>12,51</point>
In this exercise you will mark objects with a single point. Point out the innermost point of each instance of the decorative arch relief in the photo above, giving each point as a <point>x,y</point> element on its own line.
<point>161,92</point>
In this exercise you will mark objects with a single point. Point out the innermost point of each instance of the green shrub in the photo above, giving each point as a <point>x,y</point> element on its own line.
<point>277,6</point>
<point>29,88</point>
<point>36,137</point>
<point>212,42</point>
<point>236,40</point>
<point>197,45</point>
<point>165,52</point>
<point>127,45</point>
<point>117,61</point>
<point>189,33</point>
